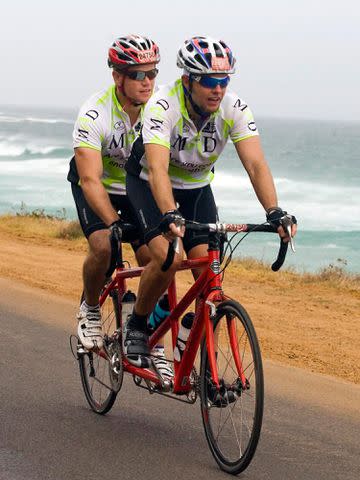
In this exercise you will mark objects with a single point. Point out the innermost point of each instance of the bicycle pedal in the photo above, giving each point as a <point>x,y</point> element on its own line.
<point>76,347</point>
<point>81,350</point>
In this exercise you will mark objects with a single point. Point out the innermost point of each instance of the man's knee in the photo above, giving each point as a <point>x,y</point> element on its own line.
<point>99,244</point>
<point>159,248</point>
<point>143,255</point>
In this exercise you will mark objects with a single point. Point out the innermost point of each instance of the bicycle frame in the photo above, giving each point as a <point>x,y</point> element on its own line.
<point>206,290</point>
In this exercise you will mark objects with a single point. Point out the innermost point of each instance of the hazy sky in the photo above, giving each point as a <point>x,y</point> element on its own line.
<point>297,59</point>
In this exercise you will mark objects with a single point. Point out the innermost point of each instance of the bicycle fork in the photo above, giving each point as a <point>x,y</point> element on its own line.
<point>210,342</point>
<point>210,339</point>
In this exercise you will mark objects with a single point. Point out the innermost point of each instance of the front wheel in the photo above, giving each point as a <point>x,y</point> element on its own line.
<point>102,372</point>
<point>232,415</point>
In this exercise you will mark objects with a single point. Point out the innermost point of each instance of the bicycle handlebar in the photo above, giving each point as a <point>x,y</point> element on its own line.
<point>128,233</point>
<point>232,228</point>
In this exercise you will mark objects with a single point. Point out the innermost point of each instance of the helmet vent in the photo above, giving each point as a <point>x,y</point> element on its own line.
<point>200,59</point>
<point>203,45</point>
<point>144,45</point>
<point>191,65</point>
<point>122,56</point>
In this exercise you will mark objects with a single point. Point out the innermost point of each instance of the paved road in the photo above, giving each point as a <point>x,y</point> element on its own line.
<point>310,432</point>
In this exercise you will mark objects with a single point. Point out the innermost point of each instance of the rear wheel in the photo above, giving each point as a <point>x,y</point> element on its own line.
<point>102,371</point>
<point>232,416</point>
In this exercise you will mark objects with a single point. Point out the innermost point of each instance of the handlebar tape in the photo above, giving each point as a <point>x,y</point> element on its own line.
<point>281,256</point>
<point>114,258</point>
<point>169,258</point>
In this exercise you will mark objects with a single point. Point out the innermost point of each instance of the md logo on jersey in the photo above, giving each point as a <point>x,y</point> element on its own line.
<point>82,134</point>
<point>93,114</point>
<point>209,144</point>
<point>117,142</point>
<point>156,124</point>
<point>239,104</point>
<point>179,143</point>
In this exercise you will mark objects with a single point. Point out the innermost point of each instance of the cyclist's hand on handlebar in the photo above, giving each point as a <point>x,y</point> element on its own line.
<point>283,222</point>
<point>172,225</point>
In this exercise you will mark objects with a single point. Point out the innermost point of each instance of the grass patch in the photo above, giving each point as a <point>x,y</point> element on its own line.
<point>31,226</point>
<point>54,225</point>
<point>70,230</point>
<point>40,213</point>
<point>335,275</point>
<point>38,225</point>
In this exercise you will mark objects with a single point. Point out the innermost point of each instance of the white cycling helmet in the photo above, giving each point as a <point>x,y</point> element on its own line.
<point>205,55</point>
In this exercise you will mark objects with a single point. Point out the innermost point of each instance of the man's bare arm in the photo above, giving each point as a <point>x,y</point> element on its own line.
<point>158,158</point>
<point>252,157</point>
<point>90,168</point>
<point>158,161</point>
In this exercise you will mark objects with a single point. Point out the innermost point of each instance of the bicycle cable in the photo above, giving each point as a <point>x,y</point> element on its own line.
<point>230,247</point>
<point>233,248</point>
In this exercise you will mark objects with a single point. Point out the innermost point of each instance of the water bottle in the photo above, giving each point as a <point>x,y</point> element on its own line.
<point>184,332</point>
<point>159,314</point>
<point>127,305</point>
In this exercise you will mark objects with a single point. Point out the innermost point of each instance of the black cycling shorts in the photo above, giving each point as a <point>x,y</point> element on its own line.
<point>91,223</point>
<point>196,204</point>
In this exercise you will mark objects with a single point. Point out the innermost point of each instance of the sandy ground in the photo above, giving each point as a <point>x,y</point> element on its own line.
<point>312,325</point>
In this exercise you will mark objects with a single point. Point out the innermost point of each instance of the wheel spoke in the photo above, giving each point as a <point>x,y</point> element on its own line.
<point>102,383</point>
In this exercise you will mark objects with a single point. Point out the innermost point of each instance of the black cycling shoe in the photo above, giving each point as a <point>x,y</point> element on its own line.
<point>136,348</point>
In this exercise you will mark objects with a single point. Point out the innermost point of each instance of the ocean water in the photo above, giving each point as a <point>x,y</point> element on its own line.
<point>316,167</point>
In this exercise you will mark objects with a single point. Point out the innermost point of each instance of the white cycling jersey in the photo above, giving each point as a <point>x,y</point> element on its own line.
<point>103,125</point>
<point>193,153</point>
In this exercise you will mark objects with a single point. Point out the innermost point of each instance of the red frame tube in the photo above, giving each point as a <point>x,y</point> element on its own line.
<point>235,350</point>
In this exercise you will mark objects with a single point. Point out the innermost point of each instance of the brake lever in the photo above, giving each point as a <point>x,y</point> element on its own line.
<point>175,245</point>
<point>286,222</point>
<point>175,242</point>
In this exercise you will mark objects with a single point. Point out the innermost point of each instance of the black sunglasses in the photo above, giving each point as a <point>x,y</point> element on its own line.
<point>141,75</point>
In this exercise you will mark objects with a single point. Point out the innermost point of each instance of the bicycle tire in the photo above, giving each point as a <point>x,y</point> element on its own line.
<point>232,418</point>
<point>102,374</point>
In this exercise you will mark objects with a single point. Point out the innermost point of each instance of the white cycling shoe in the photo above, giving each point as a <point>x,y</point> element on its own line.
<point>89,327</point>
<point>163,366</point>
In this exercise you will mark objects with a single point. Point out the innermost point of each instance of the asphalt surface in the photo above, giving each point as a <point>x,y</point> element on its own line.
<point>47,430</point>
